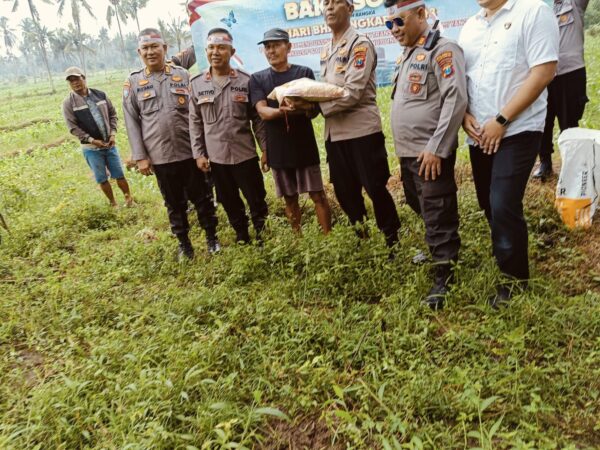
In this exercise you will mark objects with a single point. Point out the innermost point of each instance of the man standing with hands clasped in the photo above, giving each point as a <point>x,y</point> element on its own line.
<point>429,101</point>
<point>511,53</point>
<point>155,103</point>
<point>222,121</point>
<point>91,117</point>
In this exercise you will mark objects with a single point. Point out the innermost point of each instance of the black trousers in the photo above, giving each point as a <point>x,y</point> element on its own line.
<point>567,97</point>
<point>246,177</point>
<point>500,180</point>
<point>360,163</point>
<point>436,202</point>
<point>182,181</point>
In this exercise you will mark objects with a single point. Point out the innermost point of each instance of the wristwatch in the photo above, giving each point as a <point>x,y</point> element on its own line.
<point>502,120</point>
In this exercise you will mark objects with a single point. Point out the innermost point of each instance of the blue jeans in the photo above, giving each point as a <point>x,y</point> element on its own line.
<point>500,180</point>
<point>104,162</point>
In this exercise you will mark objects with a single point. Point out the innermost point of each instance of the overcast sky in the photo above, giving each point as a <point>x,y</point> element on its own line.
<point>148,16</point>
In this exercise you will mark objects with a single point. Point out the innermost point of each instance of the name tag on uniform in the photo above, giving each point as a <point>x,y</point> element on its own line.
<point>243,98</point>
<point>203,100</point>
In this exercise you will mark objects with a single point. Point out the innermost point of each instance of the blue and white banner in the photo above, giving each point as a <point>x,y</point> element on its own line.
<point>303,19</point>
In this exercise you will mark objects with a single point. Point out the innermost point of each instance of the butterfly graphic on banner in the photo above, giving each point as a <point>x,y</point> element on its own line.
<point>230,20</point>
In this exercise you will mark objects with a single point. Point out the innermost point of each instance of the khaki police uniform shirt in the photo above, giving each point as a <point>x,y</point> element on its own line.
<point>221,118</point>
<point>429,99</point>
<point>156,115</point>
<point>350,63</point>
<point>570,15</point>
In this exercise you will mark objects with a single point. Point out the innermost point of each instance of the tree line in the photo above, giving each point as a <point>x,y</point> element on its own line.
<point>31,50</point>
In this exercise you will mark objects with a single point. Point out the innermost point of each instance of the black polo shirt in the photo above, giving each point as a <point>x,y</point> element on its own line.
<point>293,149</point>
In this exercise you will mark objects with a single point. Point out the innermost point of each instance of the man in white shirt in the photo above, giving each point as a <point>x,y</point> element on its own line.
<point>511,51</point>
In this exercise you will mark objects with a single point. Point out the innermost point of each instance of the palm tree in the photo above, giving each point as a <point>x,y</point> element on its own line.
<point>30,36</point>
<point>117,9</point>
<point>35,16</point>
<point>8,35</point>
<point>133,7</point>
<point>76,6</point>
<point>104,44</point>
<point>61,44</point>
<point>178,30</point>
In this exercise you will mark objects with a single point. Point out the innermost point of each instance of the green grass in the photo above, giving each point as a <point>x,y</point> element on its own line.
<point>107,342</point>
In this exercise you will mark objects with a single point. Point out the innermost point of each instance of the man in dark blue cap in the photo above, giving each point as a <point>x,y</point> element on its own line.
<point>292,153</point>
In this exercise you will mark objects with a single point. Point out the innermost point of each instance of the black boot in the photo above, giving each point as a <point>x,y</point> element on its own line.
<point>501,298</point>
<point>442,279</point>
<point>391,242</point>
<point>544,170</point>
<point>186,251</point>
<point>242,236</point>
<point>212,242</point>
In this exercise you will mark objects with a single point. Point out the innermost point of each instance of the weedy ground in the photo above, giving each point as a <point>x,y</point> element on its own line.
<point>307,342</point>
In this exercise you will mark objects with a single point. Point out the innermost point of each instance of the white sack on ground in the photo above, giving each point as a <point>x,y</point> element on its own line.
<point>307,89</point>
<point>578,189</point>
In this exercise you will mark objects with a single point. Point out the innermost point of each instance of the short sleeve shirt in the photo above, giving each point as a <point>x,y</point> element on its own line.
<point>570,17</point>
<point>499,55</point>
<point>287,147</point>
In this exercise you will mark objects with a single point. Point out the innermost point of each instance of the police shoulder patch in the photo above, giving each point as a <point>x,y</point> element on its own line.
<point>126,88</point>
<point>360,56</point>
<point>445,61</point>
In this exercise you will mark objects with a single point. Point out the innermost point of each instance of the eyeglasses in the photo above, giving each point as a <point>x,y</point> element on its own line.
<point>399,21</point>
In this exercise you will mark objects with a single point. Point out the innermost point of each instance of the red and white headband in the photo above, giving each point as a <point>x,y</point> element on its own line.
<point>152,38</point>
<point>219,39</point>
<point>402,6</point>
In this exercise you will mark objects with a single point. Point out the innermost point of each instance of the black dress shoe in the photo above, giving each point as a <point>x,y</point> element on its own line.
<point>501,298</point>
<point>544,170</point>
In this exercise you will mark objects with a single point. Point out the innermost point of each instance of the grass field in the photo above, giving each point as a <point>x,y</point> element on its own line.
<point>106,342</point>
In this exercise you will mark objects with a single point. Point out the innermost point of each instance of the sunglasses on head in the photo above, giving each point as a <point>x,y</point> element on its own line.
<point>399,21</point>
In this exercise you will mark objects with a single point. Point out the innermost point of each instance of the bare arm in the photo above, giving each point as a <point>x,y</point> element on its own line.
<point>266,112</point>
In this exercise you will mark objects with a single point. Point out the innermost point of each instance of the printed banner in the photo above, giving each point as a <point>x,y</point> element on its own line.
<point>303,19</point>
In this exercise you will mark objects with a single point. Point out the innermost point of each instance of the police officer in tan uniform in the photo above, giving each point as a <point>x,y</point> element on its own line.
<point>429,100</point>
<point>155,104</point>
<point>223,125</point>
<point>353,135</point>
<point>567,94</point>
